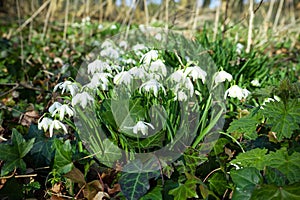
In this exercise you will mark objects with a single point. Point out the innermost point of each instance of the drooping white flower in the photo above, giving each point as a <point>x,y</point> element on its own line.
<point>236,92</point>
<point>44,124</point>
<point>99,79</point>
<point>123,77</point>
<point>100,26</point>
<point>149,56</point>
<point>139,47</point>
<point>152,85</point>
<point>83,99</point>
<point>67,86</point>
<point>181,96</point>
<point>178,76</point>
<point>255,83</point>
<point>55,124</point>
<point>110,53</point>
<point>113,27</point>
<point>239,48</point>
<point>196,73</point>
<point>123,44</point>
<point>141,126</point>
<point>106,44</point>
<point>222,76</point>
<point>53,107</point>
<point>159,67</point>
<point>62,110</point>
<point>138,72</point>
<point>98,66</point>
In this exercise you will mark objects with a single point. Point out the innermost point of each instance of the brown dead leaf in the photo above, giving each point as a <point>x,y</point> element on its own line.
<point>229,152</point>
<point>29,117</point>
<point>100,196</point>
<point>2,182</point>
<point>57,188</point>
<point>116,188</point>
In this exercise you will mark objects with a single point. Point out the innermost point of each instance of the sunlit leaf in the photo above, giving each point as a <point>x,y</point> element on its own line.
<point>253,158</point>
<point>284,119</point>
<point>185,191</point>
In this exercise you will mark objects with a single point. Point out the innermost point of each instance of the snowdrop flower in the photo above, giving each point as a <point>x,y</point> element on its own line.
<point>62,110</point>
<point>236,92</point>
<point>129,61</point>
<point>55,124</point>
<point>98,66</point>
<point>181,96</point>
<point>110,52</point>
<point>142,127</point>
<point>67,86</point>
<point>152,85</point>
<point>148,57</point>
<point>83,98</point>
<point>86,20</point>
<point>182,82</point>
<point>44,124</point>
<point>113,27</point>
<point>53,107</point>
<point>178,76</point>
<point>255,83</point>
<point>158,36</point>
<point>239,48</point>
<point>123,77</point>
<point>196,73</point>
<point>106,44</point>
<point>222,76</point>
<point>99,79</point>
<point>123,44</point>
<point>100,26</point>
<point>138,72</point>
<point>268,100</point>
<point>158,66</point>
<point>139,47</point>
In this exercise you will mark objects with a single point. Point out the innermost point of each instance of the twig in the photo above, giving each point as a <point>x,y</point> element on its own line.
<point>25,175</point>
<point>66,20</point>
<point>21,35</point>
<point>9,91</point>
<point>278,15</point>
<point>32,17</point>
<point>210,173</point>
<point>251,13</point>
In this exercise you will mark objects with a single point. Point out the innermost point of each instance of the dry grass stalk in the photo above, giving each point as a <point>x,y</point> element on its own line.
<point>251,14</point>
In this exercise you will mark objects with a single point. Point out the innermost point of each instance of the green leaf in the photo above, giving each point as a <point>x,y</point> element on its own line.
<point>218,183</point>
<point>13,154</point>
<point>246,180</point>
<point>111,153</point>
<point>253,158</point>
<point>275,177</point>
<point>185,191</point>
<point>135,181</point>
<point>126,113</point>
<point>289,165</point>
<point>41,152</point>
<point>245,125</point>
<point>283,118</point>
<point>193,159</point>
<point>272,192</point>
<point>63,156</point>
<point>155,193</point>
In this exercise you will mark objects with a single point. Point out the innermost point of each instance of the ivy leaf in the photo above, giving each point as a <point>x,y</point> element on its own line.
<point>13,154</point>
<point>289,165</point>
<point>253,158</point>
<point>245,125</point>
<point>218,183</point>
<point>111,153</point>
<point>155,193</point>
<point>63,156</point>
<point>41,152</point>
<point>246,180</point>
<point>274,176</point>
<point>193,159</point>
<point>185,191</point>
<point>135,182</point>
<point>283,118</point>
<point>272,192</point>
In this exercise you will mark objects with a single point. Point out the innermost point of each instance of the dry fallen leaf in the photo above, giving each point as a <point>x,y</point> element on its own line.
<point>100,196</point>
<point>29,117</point>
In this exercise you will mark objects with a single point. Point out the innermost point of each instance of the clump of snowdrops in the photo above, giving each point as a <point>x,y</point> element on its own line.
<point>139,100</point>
